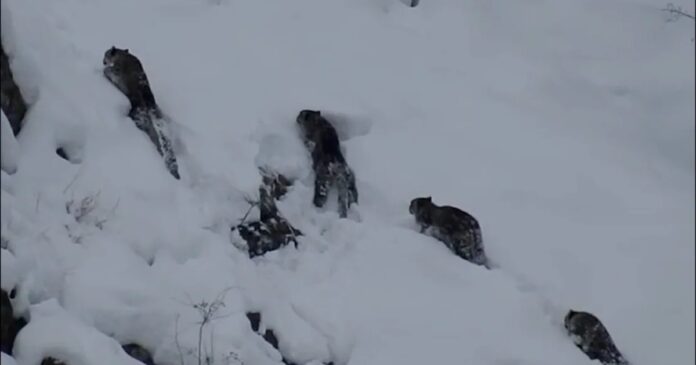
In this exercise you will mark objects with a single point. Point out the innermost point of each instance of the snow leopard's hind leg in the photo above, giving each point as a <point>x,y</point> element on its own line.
<point>322,184</point>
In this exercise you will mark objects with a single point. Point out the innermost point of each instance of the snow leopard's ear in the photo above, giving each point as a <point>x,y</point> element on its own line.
<point>571,313</point>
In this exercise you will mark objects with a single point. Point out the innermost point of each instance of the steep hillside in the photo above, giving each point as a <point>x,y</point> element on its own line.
<point>565,127</point>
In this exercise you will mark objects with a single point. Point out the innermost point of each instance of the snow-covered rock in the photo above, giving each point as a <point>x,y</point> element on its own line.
<point>10,149</point>
<point>6,359</point>
<point>52,332</point>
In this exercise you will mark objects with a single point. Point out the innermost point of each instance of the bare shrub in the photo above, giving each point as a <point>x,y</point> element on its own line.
<point>208,312</point>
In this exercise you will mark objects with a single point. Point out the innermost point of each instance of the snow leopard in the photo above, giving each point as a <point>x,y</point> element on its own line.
<point>457,229</point>
<point>592,338</point>
<point>329,165</point>
<point>125,71</point>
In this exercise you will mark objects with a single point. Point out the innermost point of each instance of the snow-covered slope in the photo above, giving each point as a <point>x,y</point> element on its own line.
<point>566,127</point>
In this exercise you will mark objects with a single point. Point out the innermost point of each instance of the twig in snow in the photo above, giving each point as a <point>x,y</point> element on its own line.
<point>82,209</point>
<point>252,203</point>
<point>676,12</point>
<point>176,340</point>
<point>72,181</point>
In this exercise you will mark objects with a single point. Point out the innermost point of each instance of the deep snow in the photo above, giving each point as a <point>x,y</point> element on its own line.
<point>565,127</point>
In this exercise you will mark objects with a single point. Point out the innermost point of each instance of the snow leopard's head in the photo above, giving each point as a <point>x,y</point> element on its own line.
<point>568,320</point>
<point>308,117</point>
<point>419,205</point>
<point>112,54</point>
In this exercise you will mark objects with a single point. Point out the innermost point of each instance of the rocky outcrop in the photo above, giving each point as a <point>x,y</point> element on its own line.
<point>11,99</point>
<point>269,335</point>
<point>271,231</point>
<point>277,184</point>
<point>9,149</point>
<point>139,353</point>
<point>60,151</point>
<point>9,325</point>
<point>254,320</point>
<point>52,361</point>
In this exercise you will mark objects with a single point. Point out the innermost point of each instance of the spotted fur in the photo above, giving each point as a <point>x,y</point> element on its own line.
<point>457,229</point>
<point>592,338</point>
<point>125,71</point>
<point>328,162</point>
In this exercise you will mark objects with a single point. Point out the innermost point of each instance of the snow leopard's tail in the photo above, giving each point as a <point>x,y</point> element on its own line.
<point>479,254</point>
<point>150,121</point>
<point>347,191</point>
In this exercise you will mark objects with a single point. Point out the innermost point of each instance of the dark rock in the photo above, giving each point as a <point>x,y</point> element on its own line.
<point>9,325</point>
<point>266,237</point>
<point>52,361</point>
<point>269,335</point>
<point>254,320</point>
<point>271,338</point>
<point>70,153</point>
<point>11,101</point>
<point>271,232</point>
<point>6,319</point>
<point>61,152</point>
<point>139,353</point>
